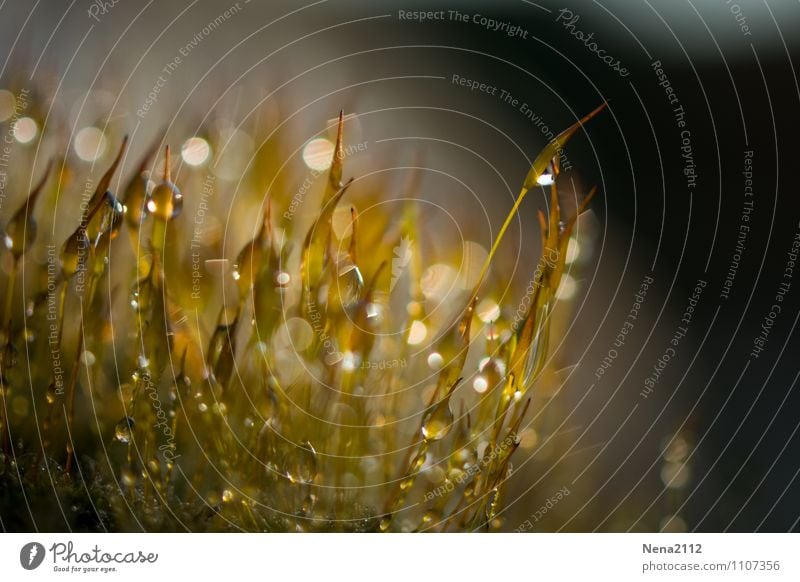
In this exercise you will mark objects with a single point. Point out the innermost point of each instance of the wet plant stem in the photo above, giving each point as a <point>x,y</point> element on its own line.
<point>10,284</point>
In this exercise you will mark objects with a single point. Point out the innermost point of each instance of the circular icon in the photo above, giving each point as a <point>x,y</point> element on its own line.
<point>31,555</point>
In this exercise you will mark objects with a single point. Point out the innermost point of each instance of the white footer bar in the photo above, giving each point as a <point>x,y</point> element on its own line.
<point>443,557</point>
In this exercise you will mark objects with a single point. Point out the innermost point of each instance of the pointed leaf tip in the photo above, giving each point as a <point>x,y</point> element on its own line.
<point>556,144</point>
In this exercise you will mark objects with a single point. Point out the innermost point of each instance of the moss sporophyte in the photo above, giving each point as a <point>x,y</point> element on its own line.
<point>309,383</point>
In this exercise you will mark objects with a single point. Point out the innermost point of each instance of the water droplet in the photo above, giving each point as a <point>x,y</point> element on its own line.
<point>51,393</point>
<point>349,361</point>
<point>248,263</point>
<point>154,466</point>
<point>227,495</point>
<point>127,477</point>
<point>438,421</point>
<point>141,297</point>
<point>123,432</point>
<point>373,310</point>
<point>195,151</point>
<point>302,467</point>
<point>431,516</point>
<point>142,362</point>
<point>435,361</point>
<point>491,502</point>
<point>185,383</point>
<point>106,224</point>
<point>350,285</point>
<point>480,384</point>
<point>166,200</point>
<point>88,358</point>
